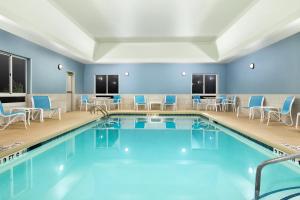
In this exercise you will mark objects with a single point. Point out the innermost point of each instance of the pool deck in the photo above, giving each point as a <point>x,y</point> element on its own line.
<point>274,135</point>
<point>39,132</point>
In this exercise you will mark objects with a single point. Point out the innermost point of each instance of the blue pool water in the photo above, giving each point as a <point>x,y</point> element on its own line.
<point>130,158</point>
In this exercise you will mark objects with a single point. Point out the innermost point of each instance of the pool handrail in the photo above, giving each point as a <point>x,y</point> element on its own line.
<point>269,162</point>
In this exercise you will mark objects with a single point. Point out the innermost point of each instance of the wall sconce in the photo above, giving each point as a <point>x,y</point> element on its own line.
<point>126,73</point>
<point>183,73</point>
<point>60,66</point>
<point>252,66</point>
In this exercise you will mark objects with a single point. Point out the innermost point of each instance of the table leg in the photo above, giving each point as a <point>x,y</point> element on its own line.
<point>262,115</point>
<point>28,118</point>
<point>297,122</point>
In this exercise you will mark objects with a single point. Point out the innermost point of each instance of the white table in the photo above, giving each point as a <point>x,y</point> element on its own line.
<point>298,118</point>
<point>29,113</point>
<point>262,111</point>
<point>151,103</point>
<point>103,101</point>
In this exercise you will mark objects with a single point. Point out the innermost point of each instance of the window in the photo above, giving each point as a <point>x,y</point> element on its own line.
<point>18,75</point>
<point>12,75</point>
<point>107,84</point>
<point>204,84</point>
<point>4,73</point>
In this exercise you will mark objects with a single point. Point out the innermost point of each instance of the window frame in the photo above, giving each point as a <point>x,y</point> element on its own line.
<point>11,93</point>
<point>204,92</point>
<point>107,75</point>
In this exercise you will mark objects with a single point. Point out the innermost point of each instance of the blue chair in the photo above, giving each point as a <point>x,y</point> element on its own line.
<point>216,103</point>
<point>232,101</point>
<point>140,100</point>
<point>285,110</point>
<point>44,104</point>
<point>198,101</point>
<point>85,101</point>
<point>9,117</point>
<point>116,101</point>
<point>255,102</point>
<point>170,100</point>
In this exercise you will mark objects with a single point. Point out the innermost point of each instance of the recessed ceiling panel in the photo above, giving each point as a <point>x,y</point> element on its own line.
<point>153,18</point>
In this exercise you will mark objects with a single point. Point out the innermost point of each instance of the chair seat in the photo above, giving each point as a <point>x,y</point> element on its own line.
<point>13,113</point>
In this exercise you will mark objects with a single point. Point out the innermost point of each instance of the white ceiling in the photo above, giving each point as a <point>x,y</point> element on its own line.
<point>156,31</point>
<point>153,18</point>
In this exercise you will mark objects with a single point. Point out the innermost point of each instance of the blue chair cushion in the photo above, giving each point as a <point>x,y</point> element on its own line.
<point>255,101</point>
<point>287,105</point>
<point>42,102</point>
<point>170,100</point>
<point>116,99</point>
<point>140,99</point>
<point>85,98</point>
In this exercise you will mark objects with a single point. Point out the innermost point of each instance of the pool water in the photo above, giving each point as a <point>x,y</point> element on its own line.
<point>145,158</point>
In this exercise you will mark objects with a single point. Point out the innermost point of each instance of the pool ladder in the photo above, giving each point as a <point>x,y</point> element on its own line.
<point>102,108</point>
<point>269,162</point>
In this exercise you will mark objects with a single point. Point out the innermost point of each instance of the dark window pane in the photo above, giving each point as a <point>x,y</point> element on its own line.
<point>100,84</point>
<point>4,73</point>
<point>197,84</point>
<point>19,75</point>
<point>210,84</point>
<point>113,84</point>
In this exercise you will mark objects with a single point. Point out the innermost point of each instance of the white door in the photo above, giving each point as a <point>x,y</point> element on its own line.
<point>70,91</point>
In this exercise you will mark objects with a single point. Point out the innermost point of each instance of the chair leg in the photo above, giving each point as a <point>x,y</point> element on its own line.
<point>269,117</point>
<point>25,121</point>
<point>59,113</point>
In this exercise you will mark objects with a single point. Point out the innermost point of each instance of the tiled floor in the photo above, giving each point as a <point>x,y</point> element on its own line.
<point>274,135</point>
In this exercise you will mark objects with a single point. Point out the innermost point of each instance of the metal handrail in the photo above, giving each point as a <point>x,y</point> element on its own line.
<point>102,108</point>
<point>269,162</point>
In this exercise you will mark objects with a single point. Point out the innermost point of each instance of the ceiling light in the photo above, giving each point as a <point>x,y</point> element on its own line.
<point>183,73</point>
<point>126,73</point>
<point>252,66</point>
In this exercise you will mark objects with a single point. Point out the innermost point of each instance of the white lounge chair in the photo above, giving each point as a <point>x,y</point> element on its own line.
<point>170,100</point>
<point>255,102</point>
<point>116,101</point>
<point>285,110</point>
<point>7,118</point>
<point>140,100</point>
<point>44,103</point>
<point>216,103</point>
<point>85,101</point>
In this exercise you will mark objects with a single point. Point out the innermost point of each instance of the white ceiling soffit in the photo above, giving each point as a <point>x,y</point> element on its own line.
<point>40,22</point>
<point>266,22</point>
<point>143,31</point>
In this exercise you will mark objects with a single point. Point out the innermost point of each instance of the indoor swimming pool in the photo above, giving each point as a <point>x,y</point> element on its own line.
<point>142,157</point>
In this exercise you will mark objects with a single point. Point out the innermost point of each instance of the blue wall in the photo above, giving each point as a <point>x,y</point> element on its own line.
<point>153,78</point>
<point>45,76</point>
<point>277,69</point>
